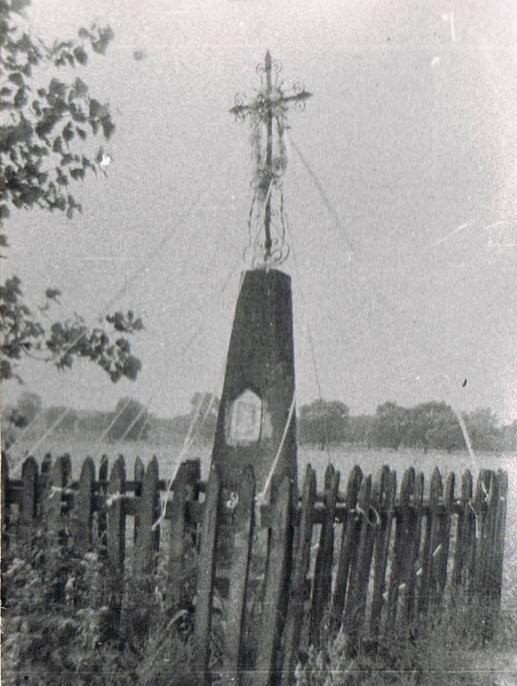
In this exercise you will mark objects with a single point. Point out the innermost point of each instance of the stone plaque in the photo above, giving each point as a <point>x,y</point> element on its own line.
<point>244,419</point>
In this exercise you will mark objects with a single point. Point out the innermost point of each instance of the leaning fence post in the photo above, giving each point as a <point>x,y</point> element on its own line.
<point>349,532</point>
<point>206,575</point>
<point>242,529</point>
<point>275,583</point>
<point>293,624</point>
<point>322,582</point>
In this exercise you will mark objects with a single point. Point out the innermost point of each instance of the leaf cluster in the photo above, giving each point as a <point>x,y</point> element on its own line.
<point>58,625</point>
<point>28,332</point>
<point>53,618</point>
<point>42,150</point>
<point>37,155</point>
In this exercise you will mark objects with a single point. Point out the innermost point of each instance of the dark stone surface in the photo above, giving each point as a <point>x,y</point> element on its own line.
<point>260,359</point>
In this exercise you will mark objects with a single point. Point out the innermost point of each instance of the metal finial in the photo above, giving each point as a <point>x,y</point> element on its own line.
<point>267,112</point>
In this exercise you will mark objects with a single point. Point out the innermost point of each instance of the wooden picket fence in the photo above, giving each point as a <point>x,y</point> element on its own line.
<point>364,561</point>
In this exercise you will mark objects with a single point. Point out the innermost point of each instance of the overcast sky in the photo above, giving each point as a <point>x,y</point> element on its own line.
<point>412,133</point>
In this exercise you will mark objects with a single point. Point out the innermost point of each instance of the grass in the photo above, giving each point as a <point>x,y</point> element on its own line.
<point>57,627</point>
<point>450,649</point>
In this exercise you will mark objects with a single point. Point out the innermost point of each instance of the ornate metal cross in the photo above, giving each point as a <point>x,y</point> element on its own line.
<point>267,111</point>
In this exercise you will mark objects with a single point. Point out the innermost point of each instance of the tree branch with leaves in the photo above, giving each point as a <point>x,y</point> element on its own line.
<point>37,155</point>
<point>43,151</point>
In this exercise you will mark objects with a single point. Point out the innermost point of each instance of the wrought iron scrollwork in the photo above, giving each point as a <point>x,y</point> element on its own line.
<point>267,113</point>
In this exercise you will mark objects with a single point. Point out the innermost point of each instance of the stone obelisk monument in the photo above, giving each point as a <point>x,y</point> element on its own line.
<point>257,421</point>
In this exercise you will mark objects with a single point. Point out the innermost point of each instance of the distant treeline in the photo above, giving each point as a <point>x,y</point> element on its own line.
<point>130,420</point>
<point>431,425</point>
<point>322,423</point>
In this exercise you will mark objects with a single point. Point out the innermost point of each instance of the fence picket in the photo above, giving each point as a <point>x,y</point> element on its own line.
<point>46,464</point>
<point>502,478</point>
<point>295,609</point>
<point>54,497</point>
<point>206,575</point>
<point>138,475</point>
<point>148,512</point>
<point>493,507</point>
<point>182,493</point>
<point>29,498</point>
<point>462,531</point>
<point>103,489</point>
<point>116,540</point>
<point>481,506</point>
<point>359,576</point>
<point>67,467</point>
<point>425,568</point>
<point>445,534</point>
<point>399,566</point>
<point>43,485</point>
<point>194,479</point>
<point>388,492</point>
<point>83,511</point>
<point>475,538</point>
<point>322,583</point>
<point>435,494</point>
<point>275,591</point>
<point>242,529</point>
<point>472,532</point>
<point>489,587</point>
<point>485,549</point>
<point>147,507</point>
<point>409,595</point>
<point>4,477</point>
<point>348,536</point>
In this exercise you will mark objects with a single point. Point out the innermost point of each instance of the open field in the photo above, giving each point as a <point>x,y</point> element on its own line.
<point>343,457</point>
